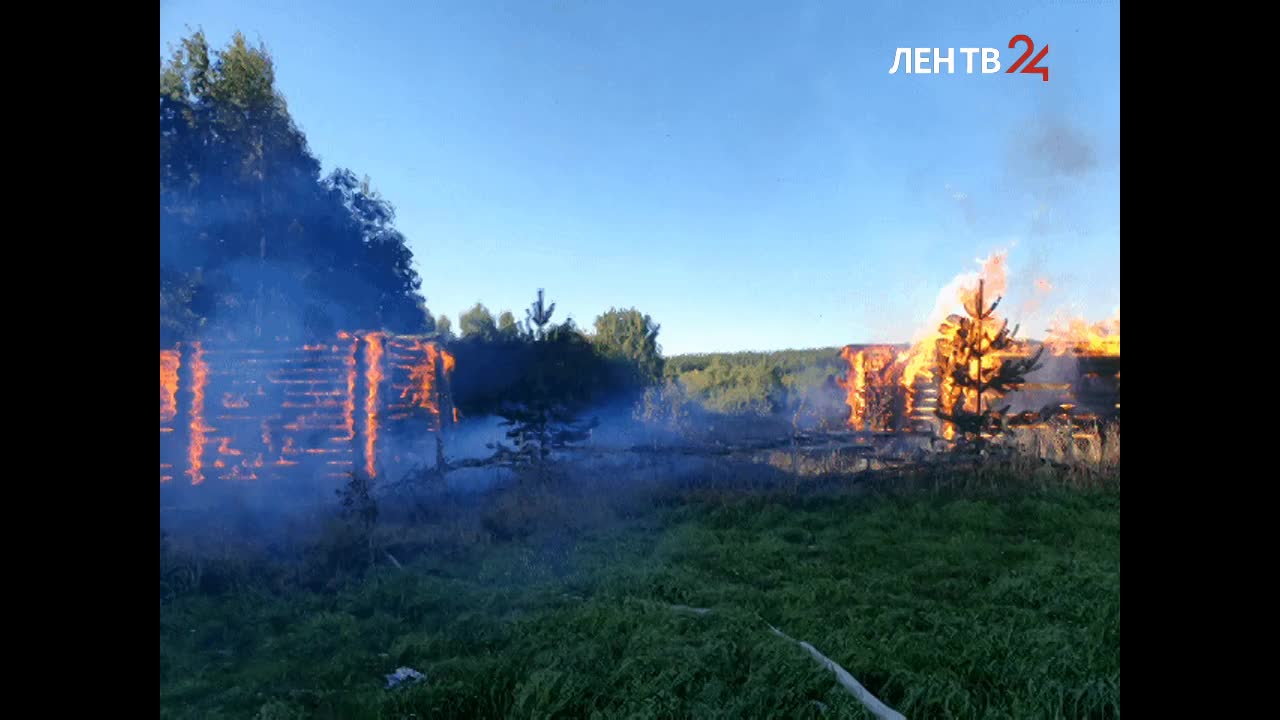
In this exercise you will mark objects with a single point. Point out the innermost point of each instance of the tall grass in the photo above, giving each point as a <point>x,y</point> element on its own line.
<point>979,587</point>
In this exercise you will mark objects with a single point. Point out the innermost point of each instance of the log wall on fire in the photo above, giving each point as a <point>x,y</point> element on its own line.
<point>244,413</point>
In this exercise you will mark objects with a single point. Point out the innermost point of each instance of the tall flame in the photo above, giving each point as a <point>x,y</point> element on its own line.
<point>855,386</point>
<point>349,402</point>
<point>870,386</point>
<point>373,378</point>
<point>170,361</point>
<point>199,379</point>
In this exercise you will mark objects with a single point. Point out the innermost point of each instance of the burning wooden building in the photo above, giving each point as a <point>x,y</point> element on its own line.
<point>964,365</point>
<point>246,413</point>
<point>900,388</point>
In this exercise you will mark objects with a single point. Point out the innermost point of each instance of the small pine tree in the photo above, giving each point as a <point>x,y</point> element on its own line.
<point>360,512</point>
<point>538,423</point>
<point>975,377</point>
<point>536,430</point>
<point>537,317</point>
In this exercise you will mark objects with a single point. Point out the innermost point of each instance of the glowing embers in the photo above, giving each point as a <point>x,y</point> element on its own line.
<point>290,449</point>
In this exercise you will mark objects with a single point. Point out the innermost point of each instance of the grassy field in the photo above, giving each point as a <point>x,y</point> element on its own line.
<point>976,604</point>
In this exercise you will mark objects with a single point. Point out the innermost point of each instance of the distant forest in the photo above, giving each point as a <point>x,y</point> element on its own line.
<point>759,382</point>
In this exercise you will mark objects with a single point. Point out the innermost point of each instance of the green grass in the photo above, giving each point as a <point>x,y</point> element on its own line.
<point>994,605</point>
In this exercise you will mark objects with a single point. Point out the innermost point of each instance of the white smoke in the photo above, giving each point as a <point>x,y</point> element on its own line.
<point>950,298</point>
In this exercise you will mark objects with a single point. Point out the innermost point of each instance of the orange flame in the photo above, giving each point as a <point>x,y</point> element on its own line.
<point>855,386</point>
<point>373,377</point>
<point>224,447</point>
<point>959,293</point>
<point>200,378</point>
<point>870,386</point>
<point>422,388</point>
<point>918,365</point>
<point>288,449</point>
<point>1077,336</point>
<point>170,361</point>
<point>349,402</point>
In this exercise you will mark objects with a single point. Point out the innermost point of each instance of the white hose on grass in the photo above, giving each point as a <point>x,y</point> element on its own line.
<point>847,681</point>
<point>864,696</point>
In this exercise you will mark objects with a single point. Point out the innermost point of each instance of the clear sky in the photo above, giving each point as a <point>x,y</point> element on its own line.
<point>748,173</point>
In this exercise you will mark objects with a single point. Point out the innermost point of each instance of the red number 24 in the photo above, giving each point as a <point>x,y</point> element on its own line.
<point>1033,68</point>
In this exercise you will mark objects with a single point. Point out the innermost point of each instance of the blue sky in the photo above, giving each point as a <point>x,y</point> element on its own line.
<point>748,173</point>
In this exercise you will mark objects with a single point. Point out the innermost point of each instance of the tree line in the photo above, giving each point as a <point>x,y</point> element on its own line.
<point>509,362</point>
<point>254,242</point>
